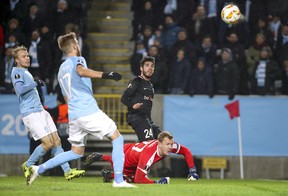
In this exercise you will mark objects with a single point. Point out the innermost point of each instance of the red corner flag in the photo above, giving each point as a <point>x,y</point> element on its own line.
<point>233,109</point>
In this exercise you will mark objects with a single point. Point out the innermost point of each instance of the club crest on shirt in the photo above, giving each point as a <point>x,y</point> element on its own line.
<point>80,61</point>
<point>17,76</point>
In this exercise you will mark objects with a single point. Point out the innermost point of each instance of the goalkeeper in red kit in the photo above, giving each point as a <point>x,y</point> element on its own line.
<point>139,157</point>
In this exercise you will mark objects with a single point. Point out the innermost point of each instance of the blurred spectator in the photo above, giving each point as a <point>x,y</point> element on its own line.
<point>201,82</point>
<point>184,43</point>
<point>158,7</point>
<point>281,52</point>
<point>14,29</point>
<point>253,10</point>
<point>33,21</point>
<point>11,42</point>
<point>161,51</point>
<point>41,56</point>
<point>148,16</point>
<point>14,9</point>
<point>144,15</point>
<point>253,52</point>
<point>4,8</point>
<point>285,77</point>
<point>227,75</point>
<point>184,10</point>
<point>1,40</point>
<point>169,33</point>
<point>241,29</point>
<point>179,74</point>
<point>212,15</point>
<point>136,7</point>
<point>138,54</point>
<point>60,17</point>
<point>170,7</point>
<point>239,57</point>
<point>278,6</point>
<point>147,37</point>
<point>266,72</point>
<point>198,25</point>
<point>51,68</point>
<point>262,27</point>
<point>7,64</point>
<point>207,50</point>
<point>157,33</point>
<point>44,6</point>
<point>275,26</point>
<point>161,71</point>
<point>79,8</point>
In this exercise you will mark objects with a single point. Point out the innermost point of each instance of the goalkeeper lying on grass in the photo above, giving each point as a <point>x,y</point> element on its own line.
<point>139,157</point>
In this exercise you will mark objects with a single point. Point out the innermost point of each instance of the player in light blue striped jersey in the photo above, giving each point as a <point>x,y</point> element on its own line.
<point>85,117</point>
<point>37,120</point>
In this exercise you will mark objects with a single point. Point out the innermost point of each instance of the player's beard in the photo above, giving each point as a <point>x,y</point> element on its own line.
<point>146,75</point>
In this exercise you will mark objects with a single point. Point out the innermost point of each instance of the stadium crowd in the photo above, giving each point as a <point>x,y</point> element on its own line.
<point>36,25</point>
<point>195,52</point>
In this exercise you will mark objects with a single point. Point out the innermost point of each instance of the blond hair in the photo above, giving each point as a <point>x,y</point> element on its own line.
<point>17,49</point>
<point>65,41</point>
<point>163,135</point>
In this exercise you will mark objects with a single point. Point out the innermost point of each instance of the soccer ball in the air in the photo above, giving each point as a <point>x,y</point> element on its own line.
<point>230,14</point>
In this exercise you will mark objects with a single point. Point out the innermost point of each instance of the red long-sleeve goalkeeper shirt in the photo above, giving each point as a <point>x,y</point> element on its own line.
<point>141,156</point>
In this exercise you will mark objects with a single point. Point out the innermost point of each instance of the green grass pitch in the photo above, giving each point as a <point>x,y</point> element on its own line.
<point>54,186</point>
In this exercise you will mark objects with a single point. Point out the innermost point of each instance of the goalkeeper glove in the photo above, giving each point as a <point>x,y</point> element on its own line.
<point>112,75</point>
<point>192,174</point>
<point>164,180</point>
<point>39,82</point>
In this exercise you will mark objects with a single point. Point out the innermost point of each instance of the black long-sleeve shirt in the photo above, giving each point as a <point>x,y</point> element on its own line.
<point>139,91</point>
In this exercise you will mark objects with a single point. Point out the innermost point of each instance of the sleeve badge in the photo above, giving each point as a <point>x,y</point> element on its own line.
<point>17,76</point>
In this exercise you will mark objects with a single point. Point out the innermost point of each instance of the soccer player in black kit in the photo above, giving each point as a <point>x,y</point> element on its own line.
<point>138,97</point>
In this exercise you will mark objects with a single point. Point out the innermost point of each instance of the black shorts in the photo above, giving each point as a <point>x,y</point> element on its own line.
<point>143,127</point>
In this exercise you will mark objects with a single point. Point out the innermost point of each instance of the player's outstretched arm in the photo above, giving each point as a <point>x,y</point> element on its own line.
<point>90,73</point>
<point>112,75</point>
<point>182,150</point>
<point>192,176</point>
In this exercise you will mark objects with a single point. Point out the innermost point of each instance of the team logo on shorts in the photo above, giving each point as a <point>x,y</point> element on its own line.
<point>17,76</point>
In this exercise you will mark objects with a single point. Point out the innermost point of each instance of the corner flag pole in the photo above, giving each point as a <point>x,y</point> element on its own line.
<point>240,148</point>
<point>234,111</point>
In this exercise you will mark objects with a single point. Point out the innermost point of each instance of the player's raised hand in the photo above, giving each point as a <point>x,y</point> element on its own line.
<point>112,75</point>
<point>163,180</point>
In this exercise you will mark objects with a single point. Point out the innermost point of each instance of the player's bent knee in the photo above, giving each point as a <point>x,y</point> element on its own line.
<point>79,150</point>
<point>57,142</point>
<point>47,145</point>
